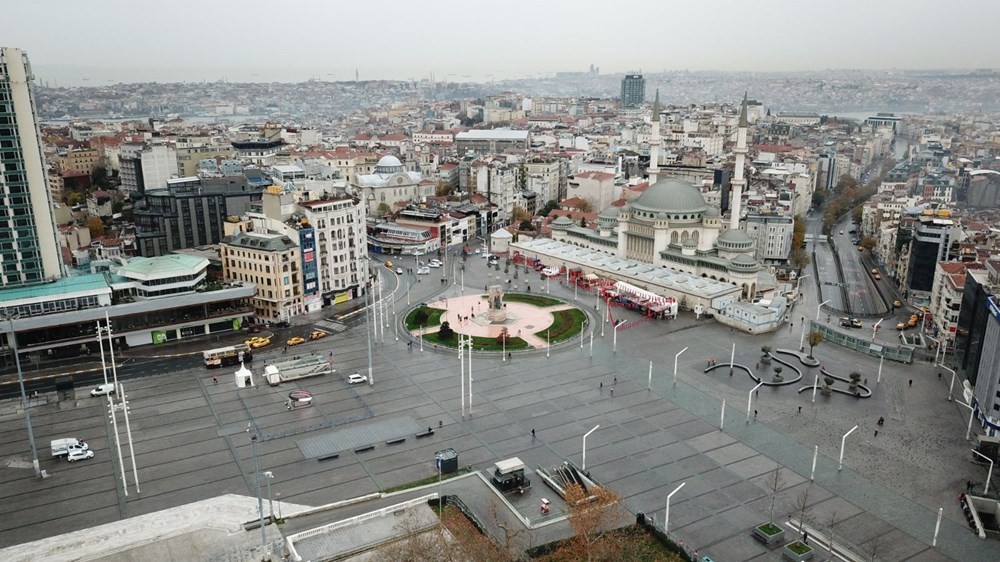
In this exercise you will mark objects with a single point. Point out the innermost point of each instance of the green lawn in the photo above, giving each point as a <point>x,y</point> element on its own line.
<point>479,343</point>
<point>428,480</point>
<point>565,325</point>
<point>536,300</point>
<point>433,317</point>
<point>770,529</point>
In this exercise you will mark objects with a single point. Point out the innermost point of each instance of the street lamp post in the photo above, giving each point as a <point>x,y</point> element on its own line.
<point>952,385</point>
<point>732,359</point>
<point>972,416</point>
<point>989,474</point>
<point>585,445</point>
<point>12,342</point>
<point>676,357</point>
<point>368,320</point>
<point>820,306</point>
<point>666,517</point>
<point>875,328</point>
<point>614,344</point>
<point>461,369</point>
<point>649,380</point>
<point>252,432</point>
<point>750,398</point>
<point>881,360</point>
<point>548,344</point>
<point>843,441</point>
<point>269,476</point>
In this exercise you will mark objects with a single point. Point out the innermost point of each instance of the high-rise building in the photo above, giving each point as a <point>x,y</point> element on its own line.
<point>633,91</point>
<point>29,249</point>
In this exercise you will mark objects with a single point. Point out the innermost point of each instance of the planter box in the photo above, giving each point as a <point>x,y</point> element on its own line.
<point>762,534</point>
<point>800,553</point>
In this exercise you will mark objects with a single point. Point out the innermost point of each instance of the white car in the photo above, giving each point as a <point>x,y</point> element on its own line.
<point>435,263</point>
<point>399,270</point>
<point>423,271</point>
<point>79,455</point>
<point>477,250</point>
<point>103,390</point>
<point>357,378</point>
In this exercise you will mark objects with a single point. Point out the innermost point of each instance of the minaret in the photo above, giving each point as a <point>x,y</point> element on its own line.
<point>738,183</point>
<point>654,142</point>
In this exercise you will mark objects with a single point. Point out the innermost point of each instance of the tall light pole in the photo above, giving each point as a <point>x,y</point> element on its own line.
<point>843,441</point>
<point>585,445</point>
<point>269,476</point>
<point>666,517</point>
<point>461,369</point>
<point>368,321</point>
<point>820,306</point>
<point>12,342</point>
<point>952,385</point>
<point>649,381</point>
<point>972,416</point>
<point>750,398</point>
<point>676,357</point>
<point>614,345</point>
<point>252,432</point>
<point>875,328</point>
<point>989,474</point>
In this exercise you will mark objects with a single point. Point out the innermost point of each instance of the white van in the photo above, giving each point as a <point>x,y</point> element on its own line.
<point>103,389</point>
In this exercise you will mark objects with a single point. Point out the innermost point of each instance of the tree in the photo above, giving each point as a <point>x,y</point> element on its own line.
<point>420,317</point>
<point>777,373</point>
<point>383,209</point>
<point>774,484</point>
<point>583,222</point>
<point>96,226</point>
<point>856,213</point>
<point>519,214</point>
<point>455,540</point>
<point>827,383</point>
<point>802,509</point>
<point>526,224</point>
<point>798,258</point>
<point>445,332</point>
<point>585,206</point>
<point>591,514</point>
<point>442,189</point>
<point>855,380</point>
<point>549,206</point>
<point>815,338</point>
<point>868,243</point>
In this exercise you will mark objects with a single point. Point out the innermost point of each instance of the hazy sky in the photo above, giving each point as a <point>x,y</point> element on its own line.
<point>265,40</point>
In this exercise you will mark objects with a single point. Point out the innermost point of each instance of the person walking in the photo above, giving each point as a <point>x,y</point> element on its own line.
<point>876,433</point>
<point>800,409</point>
<point>215,380</point>
<point>755,413</point>
<point>601,386</point>
<point>532,433</point>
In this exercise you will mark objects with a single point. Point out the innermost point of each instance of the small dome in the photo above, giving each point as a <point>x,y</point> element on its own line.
<point>735,237</point>
<point>690,243</point>
<point>672,196</point>
<point>388,164</point>
<point>562,222</point>
<point>712,212</point>
<point>744,262</point>
<point>610,212</point>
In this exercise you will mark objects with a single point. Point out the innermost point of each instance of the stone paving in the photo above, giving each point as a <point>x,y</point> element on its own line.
<point>649,440</point>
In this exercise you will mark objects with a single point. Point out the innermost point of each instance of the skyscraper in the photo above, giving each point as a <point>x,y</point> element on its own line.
<point>633,91</point>
<point>29,249</point>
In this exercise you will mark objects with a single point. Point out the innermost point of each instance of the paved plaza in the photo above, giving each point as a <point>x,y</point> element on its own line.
<point>190,439</point>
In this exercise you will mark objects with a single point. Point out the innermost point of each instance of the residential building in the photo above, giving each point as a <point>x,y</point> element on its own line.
<point>189,155</point>
<point>145,166</point>
<point>341,239</point>
<point>271,262</point>
<point>946,299</point>
<point>597,188</point>
<point>932,236</point>
<point>773,237</point>
<point>633,92</point>
<point>80,160</point>
<point>491,141</point>
<point>29,245</point>
<point>259,152</point>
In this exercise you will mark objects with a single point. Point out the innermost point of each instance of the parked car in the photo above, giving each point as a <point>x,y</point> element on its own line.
<point>357,378</point>
<point>897,304</point>
<point>878,277</point>
<point>423,270</point>
<point>103,390</point>
<point>283,324</point>
<point>295,341</point>
<point>79,455</point>
<point>317,334</point>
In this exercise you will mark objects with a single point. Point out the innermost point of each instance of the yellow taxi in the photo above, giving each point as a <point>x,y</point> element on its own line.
<point>295,341</point>
<point>317,334</point>
<point>258,342</point>
<point>388,263</point>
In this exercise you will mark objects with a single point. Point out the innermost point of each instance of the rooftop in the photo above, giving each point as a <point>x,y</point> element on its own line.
<point>64,286</point>
<point>492,134</point>
<point>162,266</point>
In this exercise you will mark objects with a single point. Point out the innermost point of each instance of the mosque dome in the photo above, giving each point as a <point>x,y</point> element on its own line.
<point>671,196</point>
<point>712,212</point>
<point>388,164</point>
<point>562,223</point>
<point>735,240</point>
<point>610,212</point>
<point>744,261</point>
<point>690,243</point>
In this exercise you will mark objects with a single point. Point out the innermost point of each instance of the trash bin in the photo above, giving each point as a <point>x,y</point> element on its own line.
<point>446,460</point>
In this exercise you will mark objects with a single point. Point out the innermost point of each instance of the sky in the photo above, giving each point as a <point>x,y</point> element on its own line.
<point>73,42</point>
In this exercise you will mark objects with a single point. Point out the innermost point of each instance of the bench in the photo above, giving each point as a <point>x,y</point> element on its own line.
<point>363,449</point>
<point>427,433</point>
<point>328,457</point>
<point>396,441</point>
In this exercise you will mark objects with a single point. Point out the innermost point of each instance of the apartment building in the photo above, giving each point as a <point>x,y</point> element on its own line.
<point>271,262</point>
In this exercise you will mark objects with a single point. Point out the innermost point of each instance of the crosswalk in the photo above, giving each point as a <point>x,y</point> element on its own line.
<point>335,327</point>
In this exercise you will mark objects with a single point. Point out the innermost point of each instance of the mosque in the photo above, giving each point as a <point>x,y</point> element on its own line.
<point>670,225</point>
<point>391,184</point>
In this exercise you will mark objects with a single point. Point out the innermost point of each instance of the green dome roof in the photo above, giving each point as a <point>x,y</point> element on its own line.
<point>735,237</point>
<point>562,222</point>
<point>610,212</point>
<point>671,196</point>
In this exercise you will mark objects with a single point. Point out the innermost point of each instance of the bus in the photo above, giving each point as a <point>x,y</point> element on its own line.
<point>224,356</point>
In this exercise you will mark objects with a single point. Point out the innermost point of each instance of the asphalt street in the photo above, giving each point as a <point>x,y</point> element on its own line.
<point>191,442</point>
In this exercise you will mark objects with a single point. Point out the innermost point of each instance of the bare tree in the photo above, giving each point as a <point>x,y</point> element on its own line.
<point>775,483</point>
<point>591,514</point>
<point>829,525</point>
<point>802,510</point>
<point>873,547</point>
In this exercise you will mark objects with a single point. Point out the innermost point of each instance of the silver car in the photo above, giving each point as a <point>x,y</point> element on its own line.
<point>79,455</point>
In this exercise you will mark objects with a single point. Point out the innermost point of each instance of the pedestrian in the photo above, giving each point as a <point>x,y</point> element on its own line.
<point>601,386</point>
<point>509,355</point>
<point>881,420</point>
<point>532,433</point>
<point>939,375</point>
<point>800,409</point>
<point>911,382</point>
<point>755,413</point>
<point>612,392</point>
<point>968,486</point>
<point>616,379</point>
<point>866,380</point>
<point>876,433</point>
<point>215,380</point>
<point>805,537</point>
<point>757,393</point>
<point>757,367</point>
